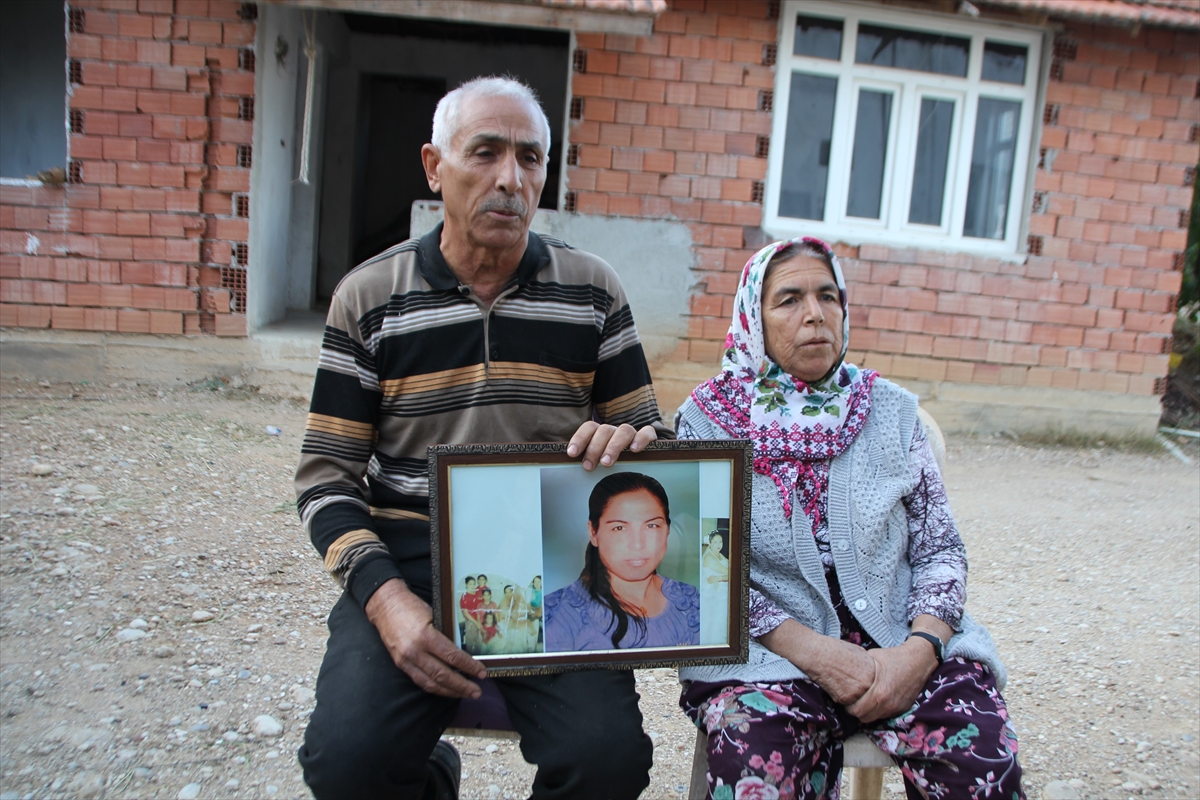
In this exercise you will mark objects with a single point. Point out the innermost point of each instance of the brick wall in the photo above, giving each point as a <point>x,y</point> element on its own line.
<point>144,237</point>
<point>671,127</point>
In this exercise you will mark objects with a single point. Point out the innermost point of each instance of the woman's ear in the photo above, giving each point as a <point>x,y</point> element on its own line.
<point>593,536</point>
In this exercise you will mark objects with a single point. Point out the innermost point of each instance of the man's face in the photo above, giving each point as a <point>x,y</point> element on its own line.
<point>492,178</point>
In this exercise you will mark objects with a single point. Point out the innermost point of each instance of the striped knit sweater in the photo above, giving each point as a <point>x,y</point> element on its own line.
<point>412,358</point>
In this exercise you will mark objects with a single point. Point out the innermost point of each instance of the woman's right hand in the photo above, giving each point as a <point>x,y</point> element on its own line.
<point>844,670</point>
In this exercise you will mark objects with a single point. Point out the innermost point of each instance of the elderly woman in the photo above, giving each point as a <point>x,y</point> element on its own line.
<point>858,574</point>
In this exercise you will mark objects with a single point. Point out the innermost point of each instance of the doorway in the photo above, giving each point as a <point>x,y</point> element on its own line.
<point>385,77</point>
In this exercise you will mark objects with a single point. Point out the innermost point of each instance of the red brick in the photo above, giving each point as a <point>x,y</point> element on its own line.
<point>185,55</point>
<point>119,49</point>
<point>96,73</point>
<point>238,33</point>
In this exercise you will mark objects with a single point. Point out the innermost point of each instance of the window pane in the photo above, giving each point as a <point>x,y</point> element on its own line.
<point>929,167</point>
<point>870,153</point>
<point>926,52</point>
<point>819,38</point>
<point>991,168</point>
<point>1004,62</point>
<point>806,147</point>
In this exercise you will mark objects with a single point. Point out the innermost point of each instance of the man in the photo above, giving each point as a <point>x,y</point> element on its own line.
<point>478,332</point>
<point>467,605</point>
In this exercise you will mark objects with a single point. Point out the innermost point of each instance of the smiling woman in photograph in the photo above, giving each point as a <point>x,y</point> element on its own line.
<point>620,600</point>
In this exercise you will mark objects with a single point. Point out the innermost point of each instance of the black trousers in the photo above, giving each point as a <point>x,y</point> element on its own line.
<point>373,729</point>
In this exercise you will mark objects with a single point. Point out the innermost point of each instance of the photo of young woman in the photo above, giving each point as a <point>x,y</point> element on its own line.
<point>620,600</point>
<point>714,582</point>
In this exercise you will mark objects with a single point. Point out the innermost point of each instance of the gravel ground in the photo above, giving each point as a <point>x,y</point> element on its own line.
<point>162,614</point>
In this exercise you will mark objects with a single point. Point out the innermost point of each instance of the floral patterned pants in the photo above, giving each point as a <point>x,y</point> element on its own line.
<point>782,741</point>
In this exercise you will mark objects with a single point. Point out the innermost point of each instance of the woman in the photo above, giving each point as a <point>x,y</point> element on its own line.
<point>714,589</point>
<point>620,600</point>
<point>854,626</point>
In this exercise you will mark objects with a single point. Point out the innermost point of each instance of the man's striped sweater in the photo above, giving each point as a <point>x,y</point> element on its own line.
<point>413,358</point>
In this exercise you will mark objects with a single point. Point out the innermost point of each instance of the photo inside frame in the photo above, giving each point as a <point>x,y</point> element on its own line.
<point>543,566</point>
<point>494,512</point>
<point>520,539</point>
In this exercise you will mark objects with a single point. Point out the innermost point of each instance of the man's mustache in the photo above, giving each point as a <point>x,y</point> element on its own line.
<point>505,205</point>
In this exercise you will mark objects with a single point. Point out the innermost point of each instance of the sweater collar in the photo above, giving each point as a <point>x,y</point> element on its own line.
<point>436,272</point>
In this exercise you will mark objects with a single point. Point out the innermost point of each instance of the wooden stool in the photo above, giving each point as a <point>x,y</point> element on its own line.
<point>486,717</point>
<point>865,761</point>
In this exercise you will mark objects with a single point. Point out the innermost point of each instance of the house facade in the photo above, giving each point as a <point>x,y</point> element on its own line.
<point>1006,181</point>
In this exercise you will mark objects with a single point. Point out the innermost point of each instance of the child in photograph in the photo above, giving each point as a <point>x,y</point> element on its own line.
<point>620,600</point>
<point>468,628</point>
<point>490,629</point>
<point>535,605</point>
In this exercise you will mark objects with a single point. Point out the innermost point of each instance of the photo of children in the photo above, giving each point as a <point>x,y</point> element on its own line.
<point>497,562</point>
<point>622,557</point>
<point>506,627</point>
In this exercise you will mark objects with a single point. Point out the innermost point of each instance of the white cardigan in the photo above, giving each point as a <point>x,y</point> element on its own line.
<point>868,535</point>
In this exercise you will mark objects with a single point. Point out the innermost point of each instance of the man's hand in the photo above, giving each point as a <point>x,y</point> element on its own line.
<point>602,444</point>
<point>405,623</point>
<point>903,673</point>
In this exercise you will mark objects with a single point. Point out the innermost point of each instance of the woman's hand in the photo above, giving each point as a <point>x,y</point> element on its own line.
<point>903,673</point>
<point>844,670</point>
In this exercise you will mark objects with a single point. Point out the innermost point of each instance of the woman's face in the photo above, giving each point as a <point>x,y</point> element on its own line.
<point>537,583</point>
<point>802,317</point>
<point>714,542</point>
<point>632,536</point>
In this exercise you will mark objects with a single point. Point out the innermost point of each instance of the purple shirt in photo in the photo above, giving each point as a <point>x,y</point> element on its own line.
<point>574,621</point>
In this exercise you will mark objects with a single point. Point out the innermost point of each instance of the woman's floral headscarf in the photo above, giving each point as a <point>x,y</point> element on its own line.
<point>791,423</point>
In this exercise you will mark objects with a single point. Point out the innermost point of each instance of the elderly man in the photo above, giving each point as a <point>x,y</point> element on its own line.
<point>480,331</point>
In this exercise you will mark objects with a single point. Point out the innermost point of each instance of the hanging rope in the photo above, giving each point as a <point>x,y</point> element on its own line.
<point>310,50</point>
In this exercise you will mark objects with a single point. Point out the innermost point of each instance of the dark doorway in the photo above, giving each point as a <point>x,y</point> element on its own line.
<point>392,124</point>
<point>386,77</point>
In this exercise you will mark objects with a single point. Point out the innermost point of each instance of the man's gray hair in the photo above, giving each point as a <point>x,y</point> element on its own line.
<point>445,118</point>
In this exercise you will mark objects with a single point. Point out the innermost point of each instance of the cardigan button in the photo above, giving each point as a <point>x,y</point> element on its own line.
<point>842,546</point>
<point>860,604</point>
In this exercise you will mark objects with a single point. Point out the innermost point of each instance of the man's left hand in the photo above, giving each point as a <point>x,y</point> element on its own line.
<point>900,675</point>
<point>602,444</point>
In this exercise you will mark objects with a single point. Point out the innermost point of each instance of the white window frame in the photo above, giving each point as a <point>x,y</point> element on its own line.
<point>908,87</point>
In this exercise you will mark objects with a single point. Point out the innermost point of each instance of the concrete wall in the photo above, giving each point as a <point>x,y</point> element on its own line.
<point>275,152</point>
<point>33,86</point>
<point>652,257</point>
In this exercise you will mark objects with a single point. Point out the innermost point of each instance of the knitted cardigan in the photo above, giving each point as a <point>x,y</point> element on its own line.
<point>868,535</point>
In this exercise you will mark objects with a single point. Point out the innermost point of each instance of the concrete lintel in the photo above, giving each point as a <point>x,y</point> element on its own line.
<point>493,13</point>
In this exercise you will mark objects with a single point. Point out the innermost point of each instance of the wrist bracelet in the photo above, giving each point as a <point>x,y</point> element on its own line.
<point>933,640</point>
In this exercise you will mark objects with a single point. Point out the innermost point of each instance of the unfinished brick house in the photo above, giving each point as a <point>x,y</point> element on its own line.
<point>1007,181</point>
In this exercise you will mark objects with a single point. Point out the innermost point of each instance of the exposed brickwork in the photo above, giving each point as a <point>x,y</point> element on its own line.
<point>671,128</point>
<point>673,125</point>
<point>156,130</point>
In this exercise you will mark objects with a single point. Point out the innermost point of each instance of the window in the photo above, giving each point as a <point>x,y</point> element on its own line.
<point>911,129</point>
<point>33,86</point>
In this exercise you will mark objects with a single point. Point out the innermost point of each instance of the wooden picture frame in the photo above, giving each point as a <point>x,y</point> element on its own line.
<point>515,518</point>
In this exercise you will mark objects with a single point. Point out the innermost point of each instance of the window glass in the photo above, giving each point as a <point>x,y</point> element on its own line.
<point>1004,62</point>
<point>925,52</point>
<point>991,168</point>
<point>870,153</point>
<point>929,165</point>
<point>818,38</point>
<point>806,147</point>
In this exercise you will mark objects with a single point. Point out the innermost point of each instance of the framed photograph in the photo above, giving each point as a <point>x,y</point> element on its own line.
<point>541,566</point>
